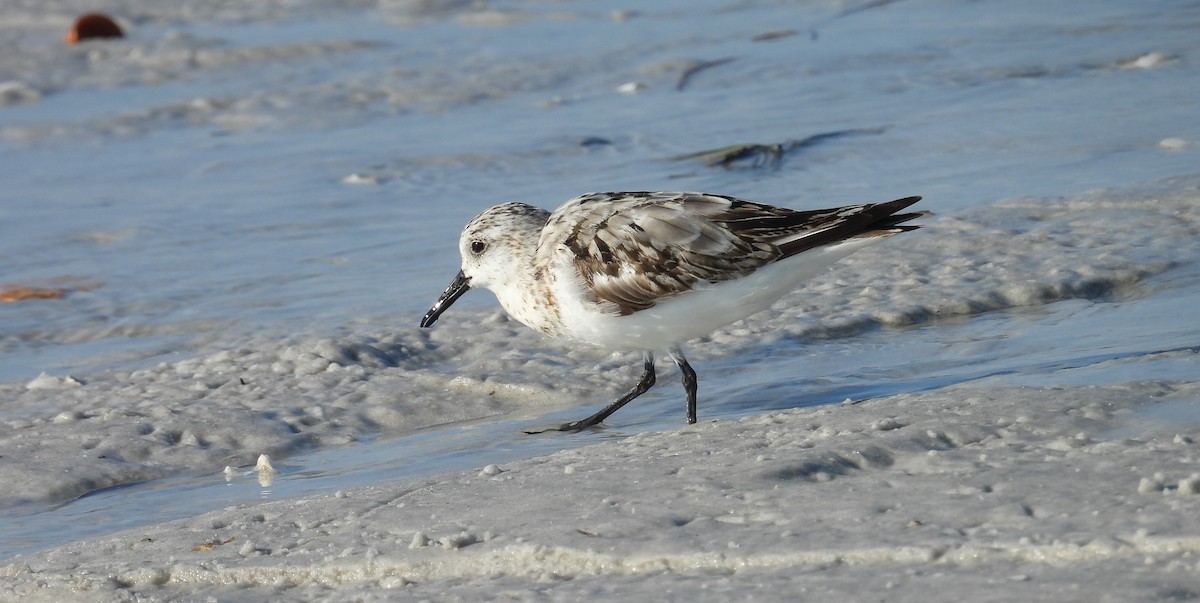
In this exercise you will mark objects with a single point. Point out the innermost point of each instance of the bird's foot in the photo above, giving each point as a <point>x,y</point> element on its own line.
<point>572,426</point>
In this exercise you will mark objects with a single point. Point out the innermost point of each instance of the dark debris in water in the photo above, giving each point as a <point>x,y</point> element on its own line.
<point>766,155</point>
<point>594,141</point>
<point>773,35</point>
<point>697,68</point>
<point>846,12</point>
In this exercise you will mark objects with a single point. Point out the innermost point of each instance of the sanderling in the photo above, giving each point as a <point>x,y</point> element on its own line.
<point>647,271</point>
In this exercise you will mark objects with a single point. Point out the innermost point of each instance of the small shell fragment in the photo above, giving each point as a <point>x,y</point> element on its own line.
<point>94,25</point>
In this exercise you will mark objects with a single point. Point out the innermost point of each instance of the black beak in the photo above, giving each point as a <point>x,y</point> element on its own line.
<point>457,287</point>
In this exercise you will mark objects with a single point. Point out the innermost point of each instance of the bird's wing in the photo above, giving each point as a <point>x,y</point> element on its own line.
<point>634,249</point>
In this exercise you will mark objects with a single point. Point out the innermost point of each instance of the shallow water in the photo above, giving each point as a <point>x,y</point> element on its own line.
<point>197,172</point>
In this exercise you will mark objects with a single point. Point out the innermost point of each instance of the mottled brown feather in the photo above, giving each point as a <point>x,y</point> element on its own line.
<point>633,249</point>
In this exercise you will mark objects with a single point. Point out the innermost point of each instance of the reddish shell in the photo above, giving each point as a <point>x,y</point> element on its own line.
<point>93,25</point>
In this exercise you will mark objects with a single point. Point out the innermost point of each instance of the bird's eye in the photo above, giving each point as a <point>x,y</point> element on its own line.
<point>477,247</point>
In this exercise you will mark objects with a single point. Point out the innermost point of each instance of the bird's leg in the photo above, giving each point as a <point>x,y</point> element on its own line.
<point>643,384</point>
<point>689,381</point>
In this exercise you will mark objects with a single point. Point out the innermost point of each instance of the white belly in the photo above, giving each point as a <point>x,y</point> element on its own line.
<point>701,311</point>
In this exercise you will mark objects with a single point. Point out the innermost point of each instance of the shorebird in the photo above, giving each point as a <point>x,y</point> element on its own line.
<point>646,271</point>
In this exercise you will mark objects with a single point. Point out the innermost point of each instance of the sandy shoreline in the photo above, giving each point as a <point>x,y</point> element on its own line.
<point>1071,493</point>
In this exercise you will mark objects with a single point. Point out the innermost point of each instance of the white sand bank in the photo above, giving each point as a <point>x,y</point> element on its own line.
<point>1079,493</point>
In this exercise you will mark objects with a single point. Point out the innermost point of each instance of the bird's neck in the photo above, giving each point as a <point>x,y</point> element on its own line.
<point>529,295</point>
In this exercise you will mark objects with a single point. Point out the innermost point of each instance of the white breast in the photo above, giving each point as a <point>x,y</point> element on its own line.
<point>689,315</point>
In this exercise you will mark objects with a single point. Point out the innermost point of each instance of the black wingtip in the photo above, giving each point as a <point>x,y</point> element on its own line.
<point>892,207</point>
<point>886,218</point>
